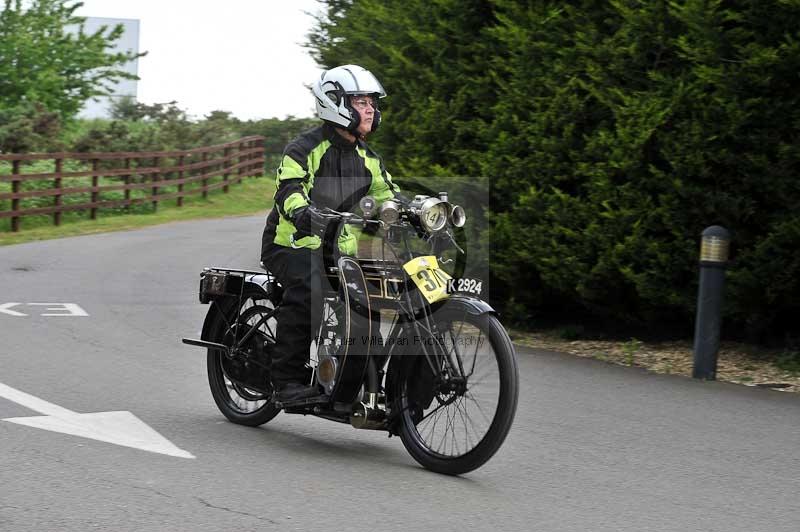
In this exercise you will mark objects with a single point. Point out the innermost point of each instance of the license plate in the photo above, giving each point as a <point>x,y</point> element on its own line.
<point>429,278</point>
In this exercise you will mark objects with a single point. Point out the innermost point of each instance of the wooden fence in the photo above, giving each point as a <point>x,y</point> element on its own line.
<point>125,178</point>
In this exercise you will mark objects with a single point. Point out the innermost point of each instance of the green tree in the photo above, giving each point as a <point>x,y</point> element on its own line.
<point>46,57</point>
<point>28,126</point>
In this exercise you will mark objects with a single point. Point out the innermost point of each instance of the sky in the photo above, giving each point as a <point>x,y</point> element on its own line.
<point>242,56</point>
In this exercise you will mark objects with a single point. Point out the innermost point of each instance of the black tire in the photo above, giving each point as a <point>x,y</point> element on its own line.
<point>419,434</point>
<point>240,404</point>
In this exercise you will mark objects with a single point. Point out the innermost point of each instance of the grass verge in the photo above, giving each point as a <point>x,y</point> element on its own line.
<point>252,196</point>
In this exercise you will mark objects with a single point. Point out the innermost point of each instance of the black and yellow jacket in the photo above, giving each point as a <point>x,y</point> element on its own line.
<point>323,168</point>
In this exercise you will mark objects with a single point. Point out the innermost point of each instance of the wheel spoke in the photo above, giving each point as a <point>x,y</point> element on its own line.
<point>477,404</point>
<point>465,419</point>
<point>454,445</point>
<point>432,426</point>
<point>443,443</point>
<point>455,349</point>
<point>472,423</point>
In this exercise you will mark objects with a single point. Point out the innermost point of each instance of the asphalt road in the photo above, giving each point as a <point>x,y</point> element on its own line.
<point>594,447</point>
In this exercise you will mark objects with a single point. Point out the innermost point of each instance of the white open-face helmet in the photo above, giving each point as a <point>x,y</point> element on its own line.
<point>333,87</point>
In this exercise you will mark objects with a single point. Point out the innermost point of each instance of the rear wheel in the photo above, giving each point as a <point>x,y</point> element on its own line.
<point>454,419</point>
<point>239,381</point>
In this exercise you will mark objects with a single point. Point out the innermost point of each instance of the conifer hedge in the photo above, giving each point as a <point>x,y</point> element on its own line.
<point>612,134</point>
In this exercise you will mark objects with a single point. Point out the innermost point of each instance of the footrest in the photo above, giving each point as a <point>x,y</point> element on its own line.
<point>320,399</point>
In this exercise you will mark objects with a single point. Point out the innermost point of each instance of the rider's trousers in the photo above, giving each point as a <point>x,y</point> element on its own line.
<point>300,273</point>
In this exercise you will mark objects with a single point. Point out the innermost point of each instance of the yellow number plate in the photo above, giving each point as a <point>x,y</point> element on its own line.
<point>429,278</point>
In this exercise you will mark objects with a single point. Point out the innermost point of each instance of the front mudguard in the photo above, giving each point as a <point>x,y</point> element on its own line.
<point>469,304</point>
<point>406,356</point>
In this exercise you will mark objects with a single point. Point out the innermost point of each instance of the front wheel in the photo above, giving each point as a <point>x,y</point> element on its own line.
<point>456,408</point>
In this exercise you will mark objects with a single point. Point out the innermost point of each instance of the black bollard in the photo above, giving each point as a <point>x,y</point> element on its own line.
<point>713,261</point>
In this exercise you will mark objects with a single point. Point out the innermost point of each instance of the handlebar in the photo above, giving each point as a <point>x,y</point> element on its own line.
<point>352,219</point>
<point>346,217</point>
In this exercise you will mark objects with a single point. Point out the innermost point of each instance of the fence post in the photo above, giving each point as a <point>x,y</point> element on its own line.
<point>156,177</point>
<point>127,180</point>
<point>250,157</point>
<point>226,156</point>
<point>57,186</point>
<point>239,161</point>
<point>203,172</point>
<point>260,144</point>
<point>93,211</point>
<point>180,181</point>
<point>713,260</point>
<point>254,158</point>
<point>245,158</point>
<point>15,190</point>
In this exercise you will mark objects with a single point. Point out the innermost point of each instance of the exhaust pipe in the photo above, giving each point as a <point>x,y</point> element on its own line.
<point>368,415</point>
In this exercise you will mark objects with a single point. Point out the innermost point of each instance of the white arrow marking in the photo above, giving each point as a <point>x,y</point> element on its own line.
<point>119,428</point>
<point>5,308</point>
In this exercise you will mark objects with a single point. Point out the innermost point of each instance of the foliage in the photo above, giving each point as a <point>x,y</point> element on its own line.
<point>165,126</point>
<point>571,332</point>
<point>277,133</point>
<point>28,127</point>
<point>613,133</point>
<point>157,127</point>
<point>630,349</point>
<point>789,361</point>
<point>47,61</point>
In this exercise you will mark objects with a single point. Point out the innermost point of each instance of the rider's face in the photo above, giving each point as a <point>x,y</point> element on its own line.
<point>365,107</point>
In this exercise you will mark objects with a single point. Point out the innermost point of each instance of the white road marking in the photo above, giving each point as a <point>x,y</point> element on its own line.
<point>5,308</point>
<point>120,428</point>
<point>53,309</point>
<point>32,402</point>
<point>62,309</point>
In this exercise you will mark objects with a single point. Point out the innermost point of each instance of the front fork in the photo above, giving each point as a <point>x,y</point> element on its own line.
<point>370,413</point>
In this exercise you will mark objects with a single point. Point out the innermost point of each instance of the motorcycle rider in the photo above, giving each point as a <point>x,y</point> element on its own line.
<point>328,166</point>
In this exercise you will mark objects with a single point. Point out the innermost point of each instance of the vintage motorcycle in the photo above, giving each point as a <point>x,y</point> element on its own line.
<point>401,348</point>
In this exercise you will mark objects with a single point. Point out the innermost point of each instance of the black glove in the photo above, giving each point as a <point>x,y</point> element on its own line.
<point>309,221</point>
